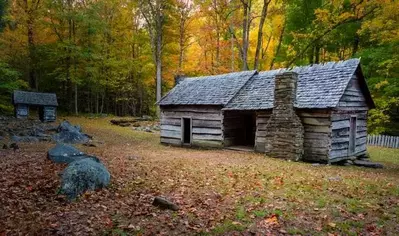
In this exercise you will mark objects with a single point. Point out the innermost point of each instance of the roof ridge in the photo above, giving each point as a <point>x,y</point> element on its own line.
<point>255,72</point>
<point>326,65</point>
<point>219,75</point>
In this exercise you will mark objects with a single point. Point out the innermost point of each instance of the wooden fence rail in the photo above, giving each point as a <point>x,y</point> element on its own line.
<point>383,141</point>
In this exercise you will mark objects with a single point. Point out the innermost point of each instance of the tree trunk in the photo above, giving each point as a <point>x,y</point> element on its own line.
<point>280,40</point>
<point>159,70</point>
<point>31,46</point>
<point>356,42</point>
<point>68,59</point>
<point>264,51</point>
<point>76,99</point>
<point>217,43</point>
<point>96,98</point>
<point>260,32</point>
<point>317,54</point>
<point>232,53</point>
<point>311,56</point>
<point>245,33</point>
<point>181,41</point>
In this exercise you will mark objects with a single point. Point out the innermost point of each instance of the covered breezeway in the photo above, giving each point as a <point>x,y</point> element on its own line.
<point>239,129</point>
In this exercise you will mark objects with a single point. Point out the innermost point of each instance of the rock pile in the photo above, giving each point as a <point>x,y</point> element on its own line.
<point>28,130</point>
<point>68,133</point>
<point>83,173</point>
<point>148,128</point>
<point>125,122</point>
<point>145,123</point>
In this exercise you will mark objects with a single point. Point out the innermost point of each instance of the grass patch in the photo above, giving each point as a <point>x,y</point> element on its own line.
<point>228,226</point>
<point>241,213</point>
<point>384,155</point>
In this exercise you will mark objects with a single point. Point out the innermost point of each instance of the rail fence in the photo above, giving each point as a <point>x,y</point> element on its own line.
<point>383,141</point>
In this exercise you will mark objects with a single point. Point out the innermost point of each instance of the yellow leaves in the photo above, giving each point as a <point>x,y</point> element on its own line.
<point>322,15</point>
<point>381,84</point>
<point>383,27</point>
<point>345,16</point>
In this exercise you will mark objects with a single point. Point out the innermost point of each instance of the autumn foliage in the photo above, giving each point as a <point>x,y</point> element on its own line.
<point>106,56</point>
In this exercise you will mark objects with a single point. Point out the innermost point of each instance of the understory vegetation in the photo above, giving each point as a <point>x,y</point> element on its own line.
<point>218,191</point>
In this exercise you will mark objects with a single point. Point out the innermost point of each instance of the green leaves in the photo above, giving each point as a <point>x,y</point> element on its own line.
<point>9,81</point>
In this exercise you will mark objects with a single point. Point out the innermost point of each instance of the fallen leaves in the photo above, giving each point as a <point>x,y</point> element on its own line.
<point>271,221</point>
<point>278,197</point>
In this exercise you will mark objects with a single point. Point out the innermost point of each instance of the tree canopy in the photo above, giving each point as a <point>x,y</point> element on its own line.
<point>109,56</point>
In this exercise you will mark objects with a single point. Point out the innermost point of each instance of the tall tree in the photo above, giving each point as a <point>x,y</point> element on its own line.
<point>154,15</point>
<point>246,22</point>
<point>184,8</point>
<point>260,32</point>
<point>3,7</point>
<point>31,9</point>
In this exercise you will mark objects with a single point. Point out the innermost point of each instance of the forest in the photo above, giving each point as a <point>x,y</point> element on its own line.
<point>120,56</point>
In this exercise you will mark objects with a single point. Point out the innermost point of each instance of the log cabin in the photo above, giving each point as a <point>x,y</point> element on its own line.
<point>315,113</point>
<point>45,102</point>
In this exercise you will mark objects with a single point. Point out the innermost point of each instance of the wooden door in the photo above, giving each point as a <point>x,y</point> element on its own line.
<point>352,136</point>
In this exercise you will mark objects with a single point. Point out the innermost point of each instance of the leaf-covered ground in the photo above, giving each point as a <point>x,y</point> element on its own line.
<point>219,192</point>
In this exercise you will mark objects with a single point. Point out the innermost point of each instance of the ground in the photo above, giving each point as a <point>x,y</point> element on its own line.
<point>218,191</point>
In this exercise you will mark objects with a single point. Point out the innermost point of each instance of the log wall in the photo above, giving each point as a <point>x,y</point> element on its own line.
<point>352,104</point>
<point>48,113</point>
<point>317,136</point>
<point>206,125</point>
<point>262,117</point>
<point>21,111</point>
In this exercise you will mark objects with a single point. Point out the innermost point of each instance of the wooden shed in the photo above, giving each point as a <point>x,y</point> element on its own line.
<point>313,113</point>
<point>46,103</point>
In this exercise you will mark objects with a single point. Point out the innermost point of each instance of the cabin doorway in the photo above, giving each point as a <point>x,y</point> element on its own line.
<point>352,136</point>
<point>239,129</point>
<point>186,131</point>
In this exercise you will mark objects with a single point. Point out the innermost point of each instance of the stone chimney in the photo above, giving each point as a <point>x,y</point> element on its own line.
<point>179,78</point>
<point>284,130</point>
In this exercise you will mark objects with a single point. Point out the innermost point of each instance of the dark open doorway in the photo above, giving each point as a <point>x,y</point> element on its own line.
<point>240,128</point>
<point>186,126</point>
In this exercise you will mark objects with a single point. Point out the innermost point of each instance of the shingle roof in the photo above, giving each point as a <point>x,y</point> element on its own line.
<point>32,98</point>
<point>207,90</point>
<point>319,86</point>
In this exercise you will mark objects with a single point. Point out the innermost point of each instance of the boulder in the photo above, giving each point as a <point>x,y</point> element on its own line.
<point>146,117</point>
<point>164,203</point>
<point>68,133</point>
<point>83,175</point>
<point>67,126</point>
<point>368,164</point>
<point>63,153</point>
